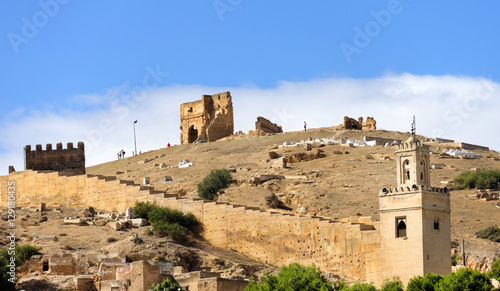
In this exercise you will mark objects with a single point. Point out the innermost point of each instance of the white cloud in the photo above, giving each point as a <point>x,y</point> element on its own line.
<point>455,107</point>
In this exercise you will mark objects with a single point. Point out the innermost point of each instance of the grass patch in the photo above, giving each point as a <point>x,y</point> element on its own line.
<point>492,233</point>
<point>482,179</point>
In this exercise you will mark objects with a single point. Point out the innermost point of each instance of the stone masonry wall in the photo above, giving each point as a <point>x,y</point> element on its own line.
<point>208,119</point>
<point>69,159</point>
<point>349,249</point>
<point>267,126</point>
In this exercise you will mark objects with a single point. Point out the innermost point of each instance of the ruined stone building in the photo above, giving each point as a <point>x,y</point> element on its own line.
<point>266,126</point>
<point>413,236</point>
<point>351,123</point>
<point>208,119</point>
<point>61,160</point>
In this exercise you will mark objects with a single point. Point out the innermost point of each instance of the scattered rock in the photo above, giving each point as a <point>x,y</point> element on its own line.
<point>273,155</point>
<point>163,166</point>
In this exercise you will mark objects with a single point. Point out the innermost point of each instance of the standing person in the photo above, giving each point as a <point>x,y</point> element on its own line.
<point>118,154</point>
<point>305,126</point>
<point>123,154</point>
<point>168,145</point>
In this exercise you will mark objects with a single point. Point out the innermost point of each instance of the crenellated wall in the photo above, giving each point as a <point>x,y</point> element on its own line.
<point>69,159</point>
<point>348,247</point>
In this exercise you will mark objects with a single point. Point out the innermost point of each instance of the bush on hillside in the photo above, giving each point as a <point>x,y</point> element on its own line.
<point>492,233</point>
<point>482,179</point>
<point>166,221</point>
<point>142,209</point>
<point>213,182</point>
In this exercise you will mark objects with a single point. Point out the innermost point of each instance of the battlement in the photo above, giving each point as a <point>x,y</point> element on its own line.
<point>70,159</point>
<point>415,188</point>
<point>412,144</point>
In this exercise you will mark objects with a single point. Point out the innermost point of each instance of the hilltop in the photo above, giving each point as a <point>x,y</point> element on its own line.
<point>345,182</point>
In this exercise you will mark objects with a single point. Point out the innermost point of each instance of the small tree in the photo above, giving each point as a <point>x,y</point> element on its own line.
<point>465,279</point>
<point>492,233</point>
<point>142,209</point>
<point>392,285</point>
<point>213,182</point>
<point>166,285</point>
<point>293,277</point>
<point>495,269</point>
<point>361,287</point>
<point>426,283</point>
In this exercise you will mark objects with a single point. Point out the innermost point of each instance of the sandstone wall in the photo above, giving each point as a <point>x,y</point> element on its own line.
<point>212,117</point>
<point>349,249</point>
<point>351,123</point>
<point>69,159</point>
<point>267,126</point>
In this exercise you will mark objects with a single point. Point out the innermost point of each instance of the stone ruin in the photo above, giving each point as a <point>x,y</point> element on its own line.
<point>208,119</point>
<point>60,160</point>
<point>264,125</point>
<point>351,123</point>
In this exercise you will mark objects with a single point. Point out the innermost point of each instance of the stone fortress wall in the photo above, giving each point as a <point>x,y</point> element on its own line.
<point>350,248</point>
<point>69,159</point>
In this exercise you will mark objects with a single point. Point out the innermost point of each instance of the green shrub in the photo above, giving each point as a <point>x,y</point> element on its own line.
<point>495,269</point>
<point>492,233</point>
<point>22,253</point>
<point>392,285</point>
<point>213,182</point>
<point>455,259</point>
<point>142,209</point>
<point>465,279</point>
<point>293,277</point>
<point>482,179</point>
<point>166,221</point>
<point>166,285</point>
<point>426,283</point>
<point>361,287</point>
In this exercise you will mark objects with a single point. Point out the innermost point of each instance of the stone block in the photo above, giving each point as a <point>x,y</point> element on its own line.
<point>279,163</point>
<point>116,225</point>
<point>165,179</point>
<point>146,181</point>
<point>308,147</point>
<point>138,221</point>
<point>74,221</point>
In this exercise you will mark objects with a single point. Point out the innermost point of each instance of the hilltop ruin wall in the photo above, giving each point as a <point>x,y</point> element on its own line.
<point>267,126</point>
<point>349,249</point>
<point>208,119</point>
<point>66,160</point>
<point>351,123</point>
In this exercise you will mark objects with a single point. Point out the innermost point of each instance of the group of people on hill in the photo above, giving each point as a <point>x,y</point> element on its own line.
<point>121,154</point>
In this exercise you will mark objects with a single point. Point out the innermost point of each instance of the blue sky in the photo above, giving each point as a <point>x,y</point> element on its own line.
<point>74,70</point>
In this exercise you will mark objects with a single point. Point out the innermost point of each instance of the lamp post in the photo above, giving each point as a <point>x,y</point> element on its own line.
<point>135,143</point>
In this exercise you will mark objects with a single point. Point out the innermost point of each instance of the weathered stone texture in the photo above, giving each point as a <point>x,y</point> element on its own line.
<point>70,159</point>
<point>267,126</point>
<point>350,249</point>
<point>208,119</point>
<point>351,123</point>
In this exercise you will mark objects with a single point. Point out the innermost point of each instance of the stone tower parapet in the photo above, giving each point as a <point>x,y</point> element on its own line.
<point>70,159</point>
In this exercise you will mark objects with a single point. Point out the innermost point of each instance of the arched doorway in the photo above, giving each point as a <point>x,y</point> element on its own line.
<point>192,134</point>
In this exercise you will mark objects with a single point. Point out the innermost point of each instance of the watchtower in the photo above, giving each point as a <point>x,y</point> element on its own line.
<point>415,229</point>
